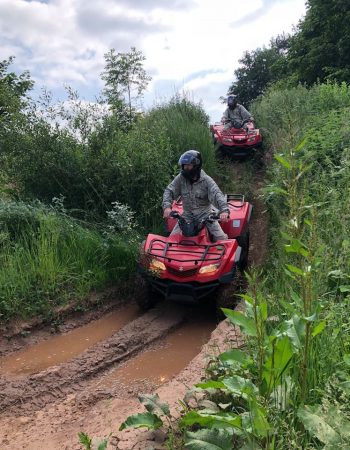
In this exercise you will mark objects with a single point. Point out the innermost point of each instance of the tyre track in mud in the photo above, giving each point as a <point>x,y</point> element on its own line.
<point>24,394</point>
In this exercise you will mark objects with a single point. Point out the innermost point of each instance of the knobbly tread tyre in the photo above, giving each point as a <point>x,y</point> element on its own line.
<point>243,242</point>
<point>143,293</point>
<point>228,295</point>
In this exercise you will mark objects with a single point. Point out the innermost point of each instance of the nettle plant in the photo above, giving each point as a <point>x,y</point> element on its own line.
<point>121,218</point>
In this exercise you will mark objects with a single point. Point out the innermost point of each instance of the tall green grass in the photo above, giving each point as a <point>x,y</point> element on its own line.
<point>308,197</point>
<point>53,259</point>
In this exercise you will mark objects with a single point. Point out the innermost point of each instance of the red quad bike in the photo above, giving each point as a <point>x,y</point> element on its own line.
<point>188,266</point>
<point>237,142</point>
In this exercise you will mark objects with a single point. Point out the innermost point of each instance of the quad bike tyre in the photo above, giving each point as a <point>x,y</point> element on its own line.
<point>144,295</point>
<point>228,295</point>
<point>243,242</point>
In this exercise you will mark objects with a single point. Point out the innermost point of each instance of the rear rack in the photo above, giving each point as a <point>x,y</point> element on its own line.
<point>204,252</point>
<point>236,198</point>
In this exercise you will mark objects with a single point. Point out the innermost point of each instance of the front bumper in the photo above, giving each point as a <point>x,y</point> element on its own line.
<point>192,292</point>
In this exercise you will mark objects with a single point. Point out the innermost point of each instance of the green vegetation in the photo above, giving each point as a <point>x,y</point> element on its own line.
<point>103,176</point>
<point>48,259</point>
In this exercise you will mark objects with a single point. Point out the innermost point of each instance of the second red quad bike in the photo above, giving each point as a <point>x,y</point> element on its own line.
<point>236,142</point>
<point>188,266</point>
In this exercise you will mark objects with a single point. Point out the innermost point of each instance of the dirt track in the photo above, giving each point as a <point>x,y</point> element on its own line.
<point>46,410</point>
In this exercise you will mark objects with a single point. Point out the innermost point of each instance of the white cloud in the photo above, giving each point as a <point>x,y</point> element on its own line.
<point>193,45</point>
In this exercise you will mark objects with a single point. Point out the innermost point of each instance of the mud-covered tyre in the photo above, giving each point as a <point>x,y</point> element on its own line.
<point>228,295</point>
<point>243,242</point>
<point>143,294</point>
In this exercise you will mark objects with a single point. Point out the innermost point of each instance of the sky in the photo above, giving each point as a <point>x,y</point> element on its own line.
<point>191,46</point>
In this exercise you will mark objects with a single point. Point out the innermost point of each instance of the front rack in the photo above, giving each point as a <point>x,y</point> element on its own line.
<point>210,252</point>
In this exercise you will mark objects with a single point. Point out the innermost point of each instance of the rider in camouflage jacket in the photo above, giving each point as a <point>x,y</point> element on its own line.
<point>199,194</point>
<point>235,113</point>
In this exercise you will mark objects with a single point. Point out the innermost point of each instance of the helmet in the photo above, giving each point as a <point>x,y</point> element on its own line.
<point>232,101</point>
<point>191,157</point>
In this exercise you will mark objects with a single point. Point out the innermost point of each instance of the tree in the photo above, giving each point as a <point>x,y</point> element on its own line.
<point>260,68</point>
<point>125,79</point>
<point>320,50</point>
<point>13,90</point>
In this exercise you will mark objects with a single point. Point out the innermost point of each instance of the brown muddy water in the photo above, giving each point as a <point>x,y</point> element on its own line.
<point>159,365</point>
<point>59,349</point>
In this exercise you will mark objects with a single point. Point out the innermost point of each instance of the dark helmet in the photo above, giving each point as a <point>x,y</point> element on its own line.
<point>191,157</point>
<point>232,101</point>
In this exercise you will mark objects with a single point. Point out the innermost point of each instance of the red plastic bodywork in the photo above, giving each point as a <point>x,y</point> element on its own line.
<point>236,141</point>
<point>184,257</point>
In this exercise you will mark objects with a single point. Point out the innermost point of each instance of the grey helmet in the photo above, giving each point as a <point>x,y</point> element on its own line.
<point>232,101</point>
<point>191,157</point>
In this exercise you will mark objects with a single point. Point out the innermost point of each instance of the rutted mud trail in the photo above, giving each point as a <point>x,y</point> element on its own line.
<point>45,405</point>
<point>24,395</point>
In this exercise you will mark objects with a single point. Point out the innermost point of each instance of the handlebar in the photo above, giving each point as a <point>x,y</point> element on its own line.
<point>210,218</point>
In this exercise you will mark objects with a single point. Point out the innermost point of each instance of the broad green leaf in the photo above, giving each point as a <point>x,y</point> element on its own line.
<point>300,146</point>
<point>246,325</point>
<point>251,446</point>
<point>337,274</point>
<point>152,404</point>
<point>277,362</point>
<point>240,386</point>
<point>204,419</point>
<point>344,288</point>
<point>103,445</point>
<point>145,420</point>
<point>208,440</point>
<point>339,422</point>
<point>311,318</point>
<point>275,190</point>
<point>295,269</point>
<point>295,330</point>
<point>346,359</point>
<point>296,298</point>
<point>235,355</point>
<point>85,440</point>
<point>211,384</point>
<point>296,246</point>
<point>318,328</point>
<point>208,407</point>
<point>314,421</point>
<point>259,421</point>
<point>283,161</point>
<point>247,298</point>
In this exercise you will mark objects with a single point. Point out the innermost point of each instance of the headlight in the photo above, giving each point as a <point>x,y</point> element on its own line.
<point>156,265</point>
<point>209,269</point>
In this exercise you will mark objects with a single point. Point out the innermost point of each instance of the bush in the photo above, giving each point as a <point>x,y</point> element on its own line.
<point>51,259</point>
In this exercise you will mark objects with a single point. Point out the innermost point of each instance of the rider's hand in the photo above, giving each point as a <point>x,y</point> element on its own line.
<point>224,215</point>
<point>166,212</point>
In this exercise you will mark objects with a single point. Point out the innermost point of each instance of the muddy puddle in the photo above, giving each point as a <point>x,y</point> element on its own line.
<point>160,365</point>
<point>59,349</point>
